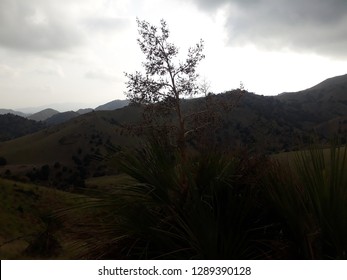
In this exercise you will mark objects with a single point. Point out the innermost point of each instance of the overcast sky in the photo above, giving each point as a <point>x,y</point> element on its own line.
<point>76,51</point>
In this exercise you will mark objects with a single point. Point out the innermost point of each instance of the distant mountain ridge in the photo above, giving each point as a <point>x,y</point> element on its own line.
<point>260,124</point>
<point>43,115</point>
<point>113,105</point>
<point>46,113</point>
<point>263,121</point>
<point>61,117</point>
<point>13,112</point>
<point>322,102</point>
<point>13,126</point>
<point>335,87</point>
<point>331,83</point>
<point>84,111</point>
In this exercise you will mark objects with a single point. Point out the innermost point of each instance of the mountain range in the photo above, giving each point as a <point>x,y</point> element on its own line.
<point>45,114</point>
<point>265,124</point>
<point>10,111</point>
<point>14,124</point>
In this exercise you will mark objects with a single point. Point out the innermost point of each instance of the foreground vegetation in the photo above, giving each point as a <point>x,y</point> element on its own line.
<point>220,206</point>
<point>211,205</point>
<point>29,228</point>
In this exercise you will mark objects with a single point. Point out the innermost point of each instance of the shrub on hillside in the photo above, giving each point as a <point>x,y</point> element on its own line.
<point>204,207</point>
<point>310,199</point>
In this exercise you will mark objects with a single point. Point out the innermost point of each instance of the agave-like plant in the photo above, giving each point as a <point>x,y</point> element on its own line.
<point>312,199</point>
<point>297,229</point>
<point>202,207</point>
<point>325,179</point>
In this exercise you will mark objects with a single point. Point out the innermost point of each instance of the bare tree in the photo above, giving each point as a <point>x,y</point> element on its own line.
<point>166,80</point>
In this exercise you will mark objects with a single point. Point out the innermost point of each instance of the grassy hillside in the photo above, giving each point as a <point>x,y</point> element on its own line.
<point>13,126</point>
<point>9,111</point>
<point>113,105</point>
<point>25,211</point>
<point>61,117</point>
<point>43,115</point>
<point>63,156</point>
<point>320,103</point>
<point>89,133</point>
<point>258,123</point>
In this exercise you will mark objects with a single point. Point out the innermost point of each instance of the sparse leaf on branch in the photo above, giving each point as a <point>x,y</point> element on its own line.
<point>165,82</point>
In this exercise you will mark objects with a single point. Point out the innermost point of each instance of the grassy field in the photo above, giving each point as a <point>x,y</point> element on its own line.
<point>25,219</point>
<point>289,157</point>
<point>259,208</point>
<point>87,133</point>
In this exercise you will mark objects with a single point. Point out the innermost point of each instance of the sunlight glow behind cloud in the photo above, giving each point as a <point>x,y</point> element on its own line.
<point>78,51</point>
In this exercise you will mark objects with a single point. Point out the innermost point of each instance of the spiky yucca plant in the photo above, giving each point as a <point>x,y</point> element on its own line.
<point>202,207</point>
<point>312,198</point>
<point>325,179</point>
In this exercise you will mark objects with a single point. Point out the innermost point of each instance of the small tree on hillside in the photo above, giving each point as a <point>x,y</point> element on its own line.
<point>166,81</point>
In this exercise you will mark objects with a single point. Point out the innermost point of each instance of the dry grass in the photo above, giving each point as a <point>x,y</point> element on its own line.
<point>24,215</point>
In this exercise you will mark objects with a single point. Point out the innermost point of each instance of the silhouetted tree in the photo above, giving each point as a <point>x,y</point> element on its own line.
<point>165,81</point>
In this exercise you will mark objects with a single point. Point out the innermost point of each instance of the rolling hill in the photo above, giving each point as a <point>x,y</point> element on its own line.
<point>13,126</point>
<point>259,123</point>
<point>9,111</point>
<point>61,117</point>
<point>321,103</point>
<point>25,221</point>
<point>113,105</point>
<point>66,154</point>
<point>43,115</point>
<point>332,88</point>
<point>323,107</point>
<point>84,111</point>
<point>60,142</point>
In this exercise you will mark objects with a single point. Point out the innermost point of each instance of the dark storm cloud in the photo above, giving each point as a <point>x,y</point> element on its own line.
<point>318,26</point>
<point>35,25</point>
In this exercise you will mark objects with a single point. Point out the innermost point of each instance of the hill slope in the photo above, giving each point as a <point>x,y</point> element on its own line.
<point>13,126</point>
<point>61,117</point>
<point>43,115</point>
<point>90,134</point>
<point>321,103</point>
<point>260,123</point>
<point>9,111</point>
<point>24,220</point>
<point>113,105</point>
